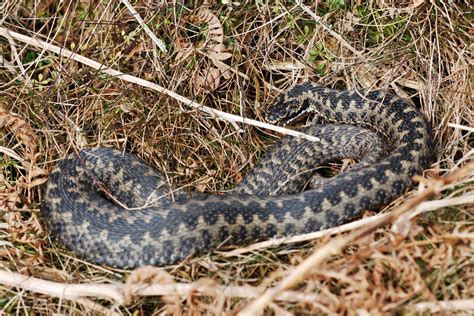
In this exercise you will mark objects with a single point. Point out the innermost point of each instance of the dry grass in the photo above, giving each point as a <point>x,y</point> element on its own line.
<point>51,105</point>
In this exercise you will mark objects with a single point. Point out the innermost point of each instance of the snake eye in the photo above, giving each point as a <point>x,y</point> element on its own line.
<point>290,106</point>
<point>285,111</point>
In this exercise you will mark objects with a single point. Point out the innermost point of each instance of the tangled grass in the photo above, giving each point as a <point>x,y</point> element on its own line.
<point>235,58</point>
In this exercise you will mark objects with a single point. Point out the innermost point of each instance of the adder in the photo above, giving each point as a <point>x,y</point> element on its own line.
<point>390,138</point>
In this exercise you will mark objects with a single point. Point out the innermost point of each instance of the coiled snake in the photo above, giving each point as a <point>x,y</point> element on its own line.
<point>390,138</point>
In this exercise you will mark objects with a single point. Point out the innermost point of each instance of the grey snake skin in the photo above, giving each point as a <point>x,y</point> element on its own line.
<point>280,196</point>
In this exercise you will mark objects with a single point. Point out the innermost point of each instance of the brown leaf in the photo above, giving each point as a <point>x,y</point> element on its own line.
<point>219,55</point>
<point>20,128</point>
<point>37,182</point>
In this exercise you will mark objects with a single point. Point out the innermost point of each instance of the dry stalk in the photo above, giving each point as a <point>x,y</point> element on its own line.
<point>147,84</point>
<point>159,43</point>
<point>117,292</point>
<point>444,306</point>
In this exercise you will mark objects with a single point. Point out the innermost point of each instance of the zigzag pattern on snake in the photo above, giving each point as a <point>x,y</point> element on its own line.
<point>390,138</point>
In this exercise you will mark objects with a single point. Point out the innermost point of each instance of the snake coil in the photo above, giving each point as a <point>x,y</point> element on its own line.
<point>390,138</point>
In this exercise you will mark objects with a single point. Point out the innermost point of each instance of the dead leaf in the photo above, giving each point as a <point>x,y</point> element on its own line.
<point>208,77</point>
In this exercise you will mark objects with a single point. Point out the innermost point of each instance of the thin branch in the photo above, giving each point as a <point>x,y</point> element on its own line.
<point>144,83</point>
<point>462,127</point>
<point>329,30</point>
<point>115,292</point>
<point>438,306</point>
<point>159,43</point>
<point>305,237</point>
<point>67,291</point>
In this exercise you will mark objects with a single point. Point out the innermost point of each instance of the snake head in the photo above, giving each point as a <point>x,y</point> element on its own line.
<point>289,107</point>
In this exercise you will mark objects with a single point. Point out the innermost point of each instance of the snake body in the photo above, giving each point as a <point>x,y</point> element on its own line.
<point>391,139</point>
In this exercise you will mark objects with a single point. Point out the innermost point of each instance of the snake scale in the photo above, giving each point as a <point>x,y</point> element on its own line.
<point>389,137</point>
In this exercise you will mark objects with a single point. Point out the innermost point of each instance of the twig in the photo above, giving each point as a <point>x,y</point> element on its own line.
<point>454,305</point>
<point>462,127</point>
<point>115,292</point>
<point>18,60</point>
<point>144,83</point>
<point>304,237</point>
<point>329,30</point>
<point>68,291</point>
<point>433,205</point>
<point>159,43</point>
<point>8,65</point>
